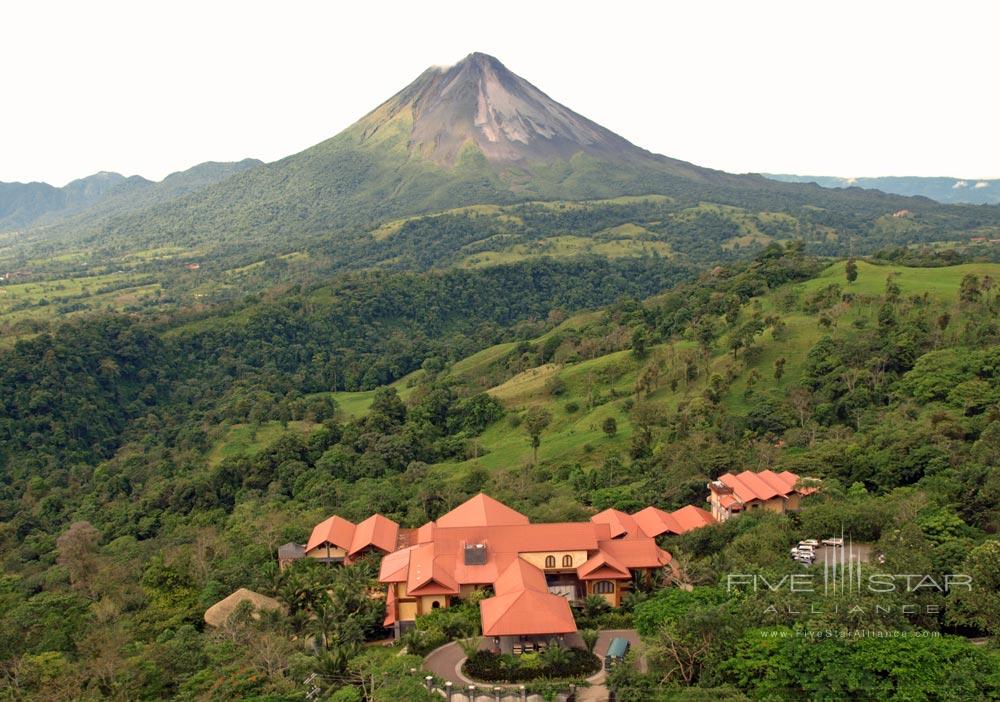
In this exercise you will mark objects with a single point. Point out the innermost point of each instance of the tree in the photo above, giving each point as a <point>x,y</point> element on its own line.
<point>987,286</point>
<point>851,270</point>
<point>779,367</point>
<point>535,422</point>
<point>980,605</point>
<point>80,555</point>
<point>892,289</point>
<point>969,291</point>
<point>640,342</point>
<point>610,427</point>
<point>648,380</point>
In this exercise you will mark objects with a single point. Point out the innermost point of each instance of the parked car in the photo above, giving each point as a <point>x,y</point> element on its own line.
<point>804,554</point>
<point>833,542</point>
<point>811,543</point>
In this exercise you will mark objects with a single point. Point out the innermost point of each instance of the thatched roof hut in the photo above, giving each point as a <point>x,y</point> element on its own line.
<point>219,613</point>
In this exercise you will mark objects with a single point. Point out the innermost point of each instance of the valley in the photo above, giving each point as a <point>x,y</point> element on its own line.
<point>235,402</point>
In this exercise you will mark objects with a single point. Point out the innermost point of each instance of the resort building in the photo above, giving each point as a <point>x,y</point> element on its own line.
<point>336,540</point>
<point>535,571</point>
<point>733,494</point>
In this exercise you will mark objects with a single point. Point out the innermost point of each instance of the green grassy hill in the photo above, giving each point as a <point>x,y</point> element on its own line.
<point>592,390</point>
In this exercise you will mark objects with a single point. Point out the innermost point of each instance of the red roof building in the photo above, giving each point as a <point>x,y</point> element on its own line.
<point>535,570</point>
<point>336,540</point>
<point>778,492</point>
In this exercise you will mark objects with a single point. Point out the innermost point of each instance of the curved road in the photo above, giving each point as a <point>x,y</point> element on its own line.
<point>446,663</point>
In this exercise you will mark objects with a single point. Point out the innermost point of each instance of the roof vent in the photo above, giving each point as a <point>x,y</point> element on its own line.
<point>475,554</point>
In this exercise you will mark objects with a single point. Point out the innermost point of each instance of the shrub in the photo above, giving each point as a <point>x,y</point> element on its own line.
<point>572,406</point>
<point>564,663</point>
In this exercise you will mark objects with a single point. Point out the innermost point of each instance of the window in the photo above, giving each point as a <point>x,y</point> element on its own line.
<point>435,605</point>
<point>567,561</point>
<point>604,587</point>
<point>550,561</point>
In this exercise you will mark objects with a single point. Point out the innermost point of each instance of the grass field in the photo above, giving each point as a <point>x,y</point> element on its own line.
<point>248,439</point>
<point>603,387</point>
<point>355,404</point>
<point>45,300</point>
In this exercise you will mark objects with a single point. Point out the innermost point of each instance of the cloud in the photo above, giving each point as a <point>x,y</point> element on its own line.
<point>982,184</point>
<point>960,184</point>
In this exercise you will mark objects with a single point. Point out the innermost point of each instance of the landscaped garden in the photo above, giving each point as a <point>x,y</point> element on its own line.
<point>554,662</point>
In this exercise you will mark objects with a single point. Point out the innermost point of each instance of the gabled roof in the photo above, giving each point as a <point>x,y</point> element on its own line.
<point>425,576</point>
<point>689,518</point>
<point>636,553</point>
<point>395,565</point>
<point>377,531</point>
<point>526,612</point>
<point>520,575</point>
<point>336,530</point>
<point>481,510</point>
<point>765,485</point>
<point>653,522</point>
<point>621,524</point>
<point>603,566</point>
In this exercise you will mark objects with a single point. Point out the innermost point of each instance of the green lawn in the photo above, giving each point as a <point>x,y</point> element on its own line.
<point>247,439</point>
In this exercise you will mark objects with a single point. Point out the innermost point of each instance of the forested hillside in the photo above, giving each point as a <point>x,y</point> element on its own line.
<point>420,183</point>
<point>154,466</point>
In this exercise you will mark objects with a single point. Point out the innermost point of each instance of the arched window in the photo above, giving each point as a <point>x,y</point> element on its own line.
<point>567,561</point>
<point>550,561</point>
<point>435,605</point>
<point>604,587</point>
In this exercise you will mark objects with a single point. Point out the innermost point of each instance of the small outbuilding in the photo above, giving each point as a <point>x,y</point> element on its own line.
<point>219,613</point>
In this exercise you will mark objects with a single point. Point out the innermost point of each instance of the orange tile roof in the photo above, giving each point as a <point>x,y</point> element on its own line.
<point>636,553</point>
<point>526,612</point>
<point>335,530</point>
<point>621,524</point>
<point>690,517</point>
<point>395,565</point>
<point>481,510</point>
<point>426,576</point>
<point>603,566</point>
<point>653,522</point>
<point>390,608</point>
<point>765,485</point>
<point>520,575</point>
<point>526,538</point>
<point>377,531</point>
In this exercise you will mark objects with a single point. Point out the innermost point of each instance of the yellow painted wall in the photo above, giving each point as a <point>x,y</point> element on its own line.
<point>610,597</point>
<point>427,602</point>
<point>321,552</point>
<point>407,611</point>
<point>537,559</point>
<point>775,504</point>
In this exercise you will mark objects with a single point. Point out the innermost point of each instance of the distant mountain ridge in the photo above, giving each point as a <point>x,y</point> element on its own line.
<point>943,190</point>
<point>35,204</point>
<point>471,135</point>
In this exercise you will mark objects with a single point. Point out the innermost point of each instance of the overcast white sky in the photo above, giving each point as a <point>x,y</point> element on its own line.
<point>821,88</point>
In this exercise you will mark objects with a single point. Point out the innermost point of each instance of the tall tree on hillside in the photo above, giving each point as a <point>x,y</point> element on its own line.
<point>851,270</point>
<point>892,289</point>
<point>987,286</point>
<point>535,422</point>
<point>969,291</point>
<point>79,554</point>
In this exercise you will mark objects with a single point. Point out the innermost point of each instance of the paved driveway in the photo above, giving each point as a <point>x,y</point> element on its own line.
<point>446,663</point>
